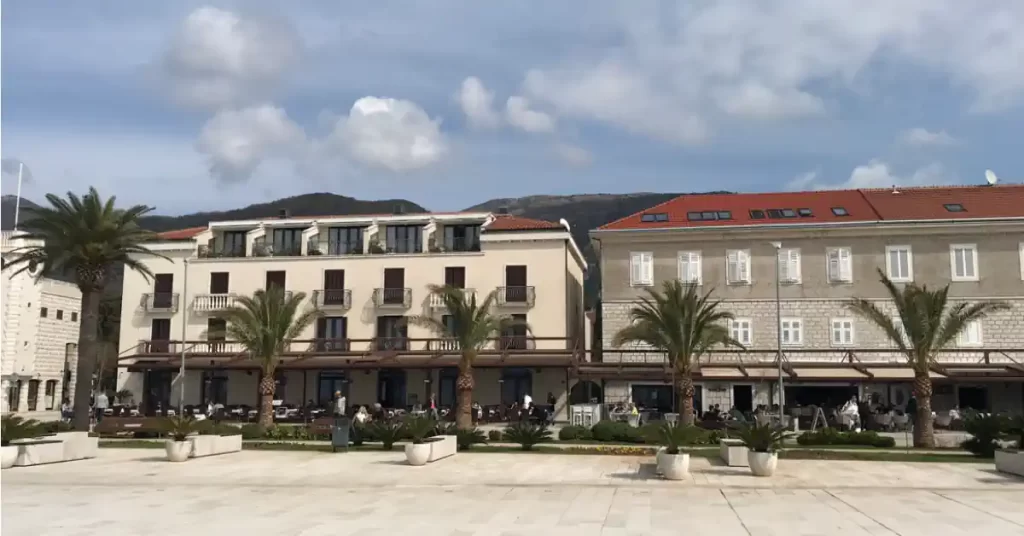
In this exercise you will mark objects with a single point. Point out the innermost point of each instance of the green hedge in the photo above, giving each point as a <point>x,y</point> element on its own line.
<point>621,432</point>
<point>831,436</point>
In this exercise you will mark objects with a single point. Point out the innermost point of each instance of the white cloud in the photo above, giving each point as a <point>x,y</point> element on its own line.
<point>753,100</point>
<point>237,141</point>
<point>219,58</point>
<point>573,155</point>
<point>922,137</point>
<point>876,174</point>
<point>477,103</point>
<point>392,134</point>
<point>519,115</point>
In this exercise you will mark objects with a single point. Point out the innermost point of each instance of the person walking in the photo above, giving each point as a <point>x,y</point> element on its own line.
<point>433,407</point>
<point>102,403</point>
<point>339,408</point>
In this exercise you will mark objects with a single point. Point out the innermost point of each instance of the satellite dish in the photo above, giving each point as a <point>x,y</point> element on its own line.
<point>990,177</point>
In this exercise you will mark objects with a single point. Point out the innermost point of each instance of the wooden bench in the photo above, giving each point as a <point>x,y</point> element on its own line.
<point>121,425</point>
<point>321,426</point>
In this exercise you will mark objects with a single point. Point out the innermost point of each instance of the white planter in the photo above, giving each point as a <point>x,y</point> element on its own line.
<point>442,447</point>
<point>38,452</point>
<point>417,454</point>
<point>657,459</point>
<point>78,445</point>
<point>210,445</point>
<point>763,463</point>
<point>674,466</point>
<point>733,452</point>
<point>178,451</point>
<point>9,456</point>
<point>1007,461</point>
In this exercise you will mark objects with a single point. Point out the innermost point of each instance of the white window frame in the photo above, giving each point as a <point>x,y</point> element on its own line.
<point>963,339</point>
<point>747,280</point>
<point>646,277</point>
<point>832,331</point>
<point>699,280</point>
<point>1021,247</point>
<point>791,275</point>
<point>737,327</point>
<point>910,263</point>
<point>840,277</point>
<point>799,331</point>
<point>953,264</point>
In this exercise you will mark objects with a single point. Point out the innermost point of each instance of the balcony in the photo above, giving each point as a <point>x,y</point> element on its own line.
<point>207,252</point>
<point>328,346</point>
<point>392,297</point>
<point>262,249</point>
<point>316,247</point>
<point>446,344</point>
<point>517,296</point>
<point>333,298</point>
<point>437,302</point>
<point>160,302</point>
<point>208,303</point>
<point>457,245</point>
<point>391,344</point>
<point>407,245</point>
<point>515,342</point>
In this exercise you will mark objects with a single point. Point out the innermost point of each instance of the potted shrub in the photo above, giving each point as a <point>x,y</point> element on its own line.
<point>763,443</point>
<point>465,439</point>
<point>386,431</point>
<point>527,434</point>
<point>673,463</point>
<point>1011,460</point>
<point>14,428</point>
<point>178,444</point>
<point>986,431</point>
<point>417,452</point>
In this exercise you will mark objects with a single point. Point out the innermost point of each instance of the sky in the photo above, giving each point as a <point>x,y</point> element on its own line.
<point>190,106</point>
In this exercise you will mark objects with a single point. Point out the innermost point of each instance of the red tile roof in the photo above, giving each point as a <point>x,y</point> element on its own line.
<point>181,234</point>
<point>507,222</point>
<point>1003,201</point>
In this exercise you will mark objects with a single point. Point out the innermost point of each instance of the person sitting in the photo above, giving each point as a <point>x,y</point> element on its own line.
<point>362,415</point>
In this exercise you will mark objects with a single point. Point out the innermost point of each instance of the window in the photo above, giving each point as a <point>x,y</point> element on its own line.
<point>737,267</point>
<point>774,213</point>
<point>50,396</point>
<point>788,213</point>
<point>741,330</point>
<point>954,207</point>
<point>842,331</point>
<point>840,265</point>
<point>757,214</point>
<point>60,314</point>
<point>1021,247</point>
<point>74,316</point>
<point>789,265</point>
<point>963,259</point>
<point>971,335</point>
<point>804,212</point>
<point>33,395</point>
<point>42,312</point>
<point>899,263</point>
<point>709,215</point>
<point>404,238</point>
<point>724,215</point>
<point>839,211</point>
<point>641,269</point>
<point>792,331</point>
<point>651,217</point>
<point>690,267</point>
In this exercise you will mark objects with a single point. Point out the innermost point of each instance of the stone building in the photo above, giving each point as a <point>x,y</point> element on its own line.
<point>808,254</point>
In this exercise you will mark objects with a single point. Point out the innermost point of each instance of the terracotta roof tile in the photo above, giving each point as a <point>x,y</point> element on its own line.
<point>507,222</point>
<point>181,234</point>
<point>1003,201</point>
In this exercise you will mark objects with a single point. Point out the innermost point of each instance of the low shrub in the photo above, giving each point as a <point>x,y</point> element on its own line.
<point>494,435</point>
<point>419,429</point>
<point>446,428</point>
<point>467,438</point>
<point>1015,430</point>
<point>831,436</point>
<point>618,432</point>
<point>387,432</point>
<point>252,431</point>
<point>215,428</point>
<point>575,433</point>
<point>527,434</point>
<point>54,427</point>
<point>15,427</point>
<point>986,431</point>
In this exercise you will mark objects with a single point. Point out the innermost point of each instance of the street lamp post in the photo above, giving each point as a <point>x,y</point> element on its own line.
<point>778,326</point>
<point>184,326</point>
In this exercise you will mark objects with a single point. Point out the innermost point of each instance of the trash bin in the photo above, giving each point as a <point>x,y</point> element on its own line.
<point>340,433</point>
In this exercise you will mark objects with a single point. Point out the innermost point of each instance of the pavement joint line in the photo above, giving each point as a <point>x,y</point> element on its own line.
<point>734,512</point>
<point>861,512</point>
<point>942,493</point>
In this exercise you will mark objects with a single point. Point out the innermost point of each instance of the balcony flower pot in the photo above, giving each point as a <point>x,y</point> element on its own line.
<point>178,451</point>
<point>674,466</point>
<point>8,455</point>
<point>762,463</point>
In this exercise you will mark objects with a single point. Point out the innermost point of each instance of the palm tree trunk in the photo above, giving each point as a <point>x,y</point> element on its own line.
<point>464,384</point>
<point>684,385</point>
<point>267,389</point>
<point>87,348</point>
<point>924,428</point>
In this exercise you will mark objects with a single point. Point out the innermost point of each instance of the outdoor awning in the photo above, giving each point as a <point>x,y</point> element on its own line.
<point>721,372</point>
<point>897,373</point>
<point>766,373</point>
<point>837,373</point>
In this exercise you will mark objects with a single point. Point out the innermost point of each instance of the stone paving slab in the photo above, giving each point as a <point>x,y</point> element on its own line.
<point>135,492</point>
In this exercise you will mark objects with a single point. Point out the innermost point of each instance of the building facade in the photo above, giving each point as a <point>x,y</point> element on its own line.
<point>40,337</point>
<point>365,275</point>
<point>798,259</point>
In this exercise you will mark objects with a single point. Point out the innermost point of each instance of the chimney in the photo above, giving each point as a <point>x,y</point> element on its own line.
<point>283,213</point>
<point>503,210</point>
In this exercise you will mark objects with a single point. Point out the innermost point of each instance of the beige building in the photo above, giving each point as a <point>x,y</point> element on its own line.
<point>814,251</point>
<point>365,274</point>
<point>40,337</point>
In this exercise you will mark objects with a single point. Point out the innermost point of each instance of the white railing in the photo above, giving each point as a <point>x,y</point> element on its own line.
<point>437,302</point>
<point>213,302</point>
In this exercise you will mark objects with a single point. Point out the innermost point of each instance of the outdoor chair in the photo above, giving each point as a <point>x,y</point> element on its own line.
<point>943,420</point>
<point>901,422</point>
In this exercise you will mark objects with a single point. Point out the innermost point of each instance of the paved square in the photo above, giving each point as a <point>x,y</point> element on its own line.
<point>129,492</point>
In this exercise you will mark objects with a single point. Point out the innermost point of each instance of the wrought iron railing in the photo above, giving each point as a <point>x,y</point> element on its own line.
<point>160,302</point>
<point>524,296</point>
<point>333,298</point>
<point>392,297</point>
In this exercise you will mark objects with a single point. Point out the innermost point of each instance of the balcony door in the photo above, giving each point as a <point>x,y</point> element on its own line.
<point>514,337</point>
<point>216,333</point>
<point>345,240</point>
<point>334,287</point>
<point>218,283</point>
<point>394,285</point>
<point>462,237</point>
<point>404,238</point>
<point>391,388</point>
<point>276,279</point>
<point>332,334</point>
<point>455,276</point>
<point>446,396</point>
<point>163,288</point>
<point>287,241</point>
<point>392,333</point>
<point>233,244</point>
<point>160,335</point>
<point>516,383</point>
<point>515,284</point>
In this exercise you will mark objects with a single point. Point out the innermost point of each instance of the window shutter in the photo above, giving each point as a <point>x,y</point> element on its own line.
<point>845,265</point>
<point>743,266</point>
<point>794,265</point>
<point>835,263</point>
<point>783,260</point>
<point>695,267</point>
<point>732,266</point>
<point>647,268</point>
<point>684,267</point>
<point>634,273</point>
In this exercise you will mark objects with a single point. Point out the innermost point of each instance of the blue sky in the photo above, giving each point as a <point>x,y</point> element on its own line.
<point>189,106</point>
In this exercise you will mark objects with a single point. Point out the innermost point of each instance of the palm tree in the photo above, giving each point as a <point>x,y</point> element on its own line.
<point>926,324</point>
<point>682,323</point>
<point>471,326</point>
<point>84,238</point>
<point>264,324</point>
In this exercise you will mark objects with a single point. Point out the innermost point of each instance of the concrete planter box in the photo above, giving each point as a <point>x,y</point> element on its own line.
<point>9,456</point>
<point>211,445</point>
<point>39,451</point>
<point>442,447</point>
<point>78,445</point>
<point>657,459</point>
<point>1010,461</point>
<point>733,452</point>
<point>178,451</point>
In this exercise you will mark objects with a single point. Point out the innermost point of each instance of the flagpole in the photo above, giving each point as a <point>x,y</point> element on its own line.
<point>17,202</point>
